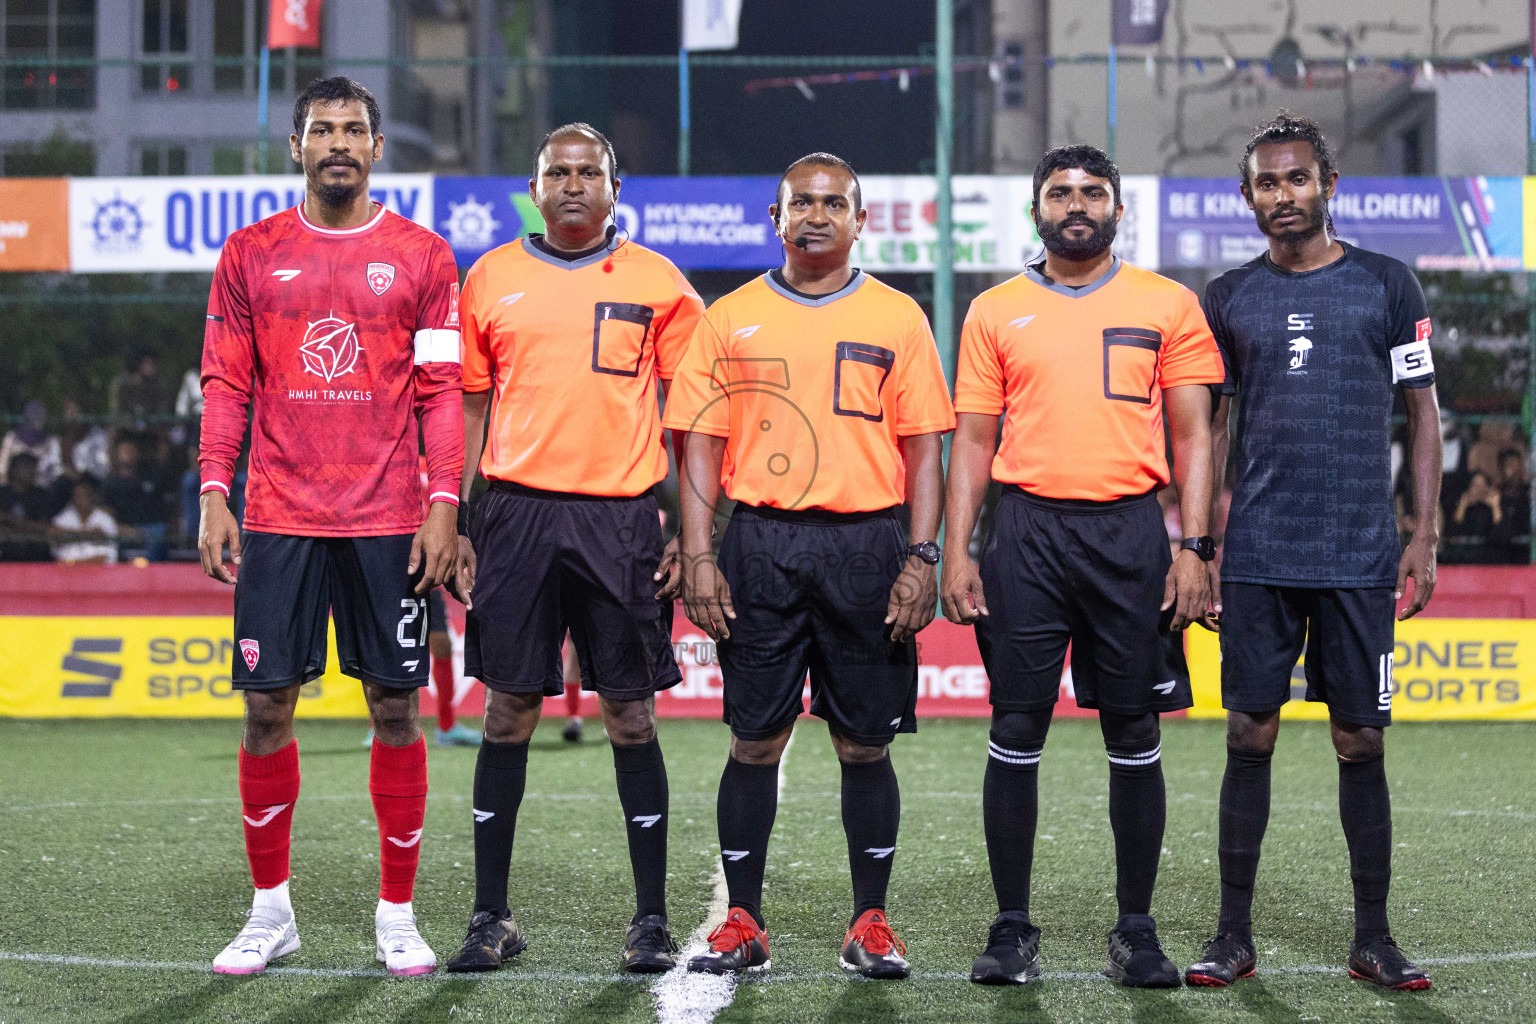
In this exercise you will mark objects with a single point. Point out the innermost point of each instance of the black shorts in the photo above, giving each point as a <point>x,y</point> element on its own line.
<point>288,586</point>
<point>810,591</point>
<point>437,612</point>
<point>1348,635</point>
<point>1092,573</point>
<point>548,562</point>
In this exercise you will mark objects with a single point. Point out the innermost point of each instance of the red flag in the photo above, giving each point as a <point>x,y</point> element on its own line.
<point>293,23</point>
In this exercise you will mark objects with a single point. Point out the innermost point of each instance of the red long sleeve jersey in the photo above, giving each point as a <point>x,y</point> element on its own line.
<point>342,340</point>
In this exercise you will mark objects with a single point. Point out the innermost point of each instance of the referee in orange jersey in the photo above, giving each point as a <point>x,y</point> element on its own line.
<point>1081,355</point>
<point>568,338</point>
<point>813,395</point>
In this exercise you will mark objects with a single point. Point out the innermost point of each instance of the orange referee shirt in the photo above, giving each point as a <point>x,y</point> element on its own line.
<point>1080,375</point>
<point>573,351</point>
<point>812,394</point>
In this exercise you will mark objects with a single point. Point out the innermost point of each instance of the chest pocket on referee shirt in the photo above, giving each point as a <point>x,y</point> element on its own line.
<point>618,337</point>
<point>1130,363</point>
<point>860,377</point>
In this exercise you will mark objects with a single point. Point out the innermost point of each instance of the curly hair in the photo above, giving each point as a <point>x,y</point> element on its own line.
<point>1087,158</point>
<point>1289,127</point>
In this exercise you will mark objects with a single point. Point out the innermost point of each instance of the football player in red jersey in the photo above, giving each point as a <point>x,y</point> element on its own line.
<point>336,322</point>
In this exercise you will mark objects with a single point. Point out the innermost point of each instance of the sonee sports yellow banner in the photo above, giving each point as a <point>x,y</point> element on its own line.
<point>140,667</point>
<point>1442,670</point>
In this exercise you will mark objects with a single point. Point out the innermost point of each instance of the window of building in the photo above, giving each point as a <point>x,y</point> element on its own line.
<point>166,68</point>
<point>157,159</point>
<point>33,35</point>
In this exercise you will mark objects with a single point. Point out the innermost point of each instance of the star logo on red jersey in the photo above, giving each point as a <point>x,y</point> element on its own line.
<point>330,348</point>
<point>380,277</point>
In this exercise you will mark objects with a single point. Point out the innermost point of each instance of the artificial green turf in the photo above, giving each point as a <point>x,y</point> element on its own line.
<point>121,841</point>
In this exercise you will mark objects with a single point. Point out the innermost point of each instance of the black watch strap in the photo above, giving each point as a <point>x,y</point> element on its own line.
<point>928,551</point>
<point>466,516</point>
<point>1203,547</point>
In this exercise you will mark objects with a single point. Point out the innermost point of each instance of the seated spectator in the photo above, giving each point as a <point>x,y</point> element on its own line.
<point>1478,512</point>
<point>85,445</point>
<point>1453,470</point>
<point>1493,436</point>
<point>135,497</point>
<point>33,437</point>
<point>1510,536</point>
<point>138,396</point>
<point>26,510</point>
<point>85,532</point>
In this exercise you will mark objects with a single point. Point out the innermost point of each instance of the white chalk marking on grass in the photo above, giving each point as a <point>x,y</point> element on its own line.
<point>513,976</point>
<point>684,998</point>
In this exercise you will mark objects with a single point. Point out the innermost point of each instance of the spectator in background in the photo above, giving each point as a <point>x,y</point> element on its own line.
<point>26,510</point>
<point>1510,536</point>
<point>85,532</point>
<point>1493,436</point>
<point>135,498</point>
<point>189,400</point>
<point>86,446</point>
<point>138,395</point>
<point>32,437</point>
<point>1477,513</point>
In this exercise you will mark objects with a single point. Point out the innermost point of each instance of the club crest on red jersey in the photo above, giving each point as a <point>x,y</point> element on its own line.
<point>330,348</point>
<point>380,277</point>
<point>250,650</point>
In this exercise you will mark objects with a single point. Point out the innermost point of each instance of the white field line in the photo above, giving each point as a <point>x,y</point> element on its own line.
<point>513,976</point>
<point>684,998</point>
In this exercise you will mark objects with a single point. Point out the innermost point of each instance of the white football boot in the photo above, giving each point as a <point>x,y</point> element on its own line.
<point>269,933</point>
<point>401,949</point>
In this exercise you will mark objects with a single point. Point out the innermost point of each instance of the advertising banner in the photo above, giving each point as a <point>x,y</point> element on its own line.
<point>1442,670</point>
<point>178,666</point>
<point>722,223</point>
<point>993,227</point>
<point>697,223</point>
<point>1428,223</point>
<point>34,224</point>
<point>154,224</point>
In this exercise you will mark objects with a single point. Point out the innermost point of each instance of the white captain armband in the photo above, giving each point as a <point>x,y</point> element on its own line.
<point>1408,361</point>
<point>437,346</point>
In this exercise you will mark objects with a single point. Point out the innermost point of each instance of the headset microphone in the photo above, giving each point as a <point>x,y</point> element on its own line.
<point>802,241</point>
<point>608,234</point>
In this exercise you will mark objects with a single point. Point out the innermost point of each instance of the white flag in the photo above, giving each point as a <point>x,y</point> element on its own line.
<point>710,24</point>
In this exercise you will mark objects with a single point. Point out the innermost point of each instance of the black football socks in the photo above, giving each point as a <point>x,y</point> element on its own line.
<point>642,779</point>
<point>1365,808</point>
<point>501,772</point>
<point>871,818</point>
<point>1244,817</point>
<point>744,812</point>
<point>1137,814</point>
<point>1010,809</point>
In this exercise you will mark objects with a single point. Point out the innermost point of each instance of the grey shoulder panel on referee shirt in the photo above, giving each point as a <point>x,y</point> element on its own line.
<point>555,261</point>
<point>819,300</point>
<point>1074,293</point>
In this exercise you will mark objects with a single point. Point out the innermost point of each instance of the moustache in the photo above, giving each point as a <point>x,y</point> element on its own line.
<point>340,161</point>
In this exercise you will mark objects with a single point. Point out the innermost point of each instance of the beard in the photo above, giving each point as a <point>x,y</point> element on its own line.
<point>1091,246</point>
<point>335,194</point>
<point>1313,216</point>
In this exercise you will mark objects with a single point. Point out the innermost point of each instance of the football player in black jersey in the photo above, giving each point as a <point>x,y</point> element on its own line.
<point>1318,335</point>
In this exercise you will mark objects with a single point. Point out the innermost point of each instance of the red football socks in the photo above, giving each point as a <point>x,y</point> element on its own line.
<point>397,779</point>
<point>442,675</point>
<point>573,700</point>
<point>269,786</point>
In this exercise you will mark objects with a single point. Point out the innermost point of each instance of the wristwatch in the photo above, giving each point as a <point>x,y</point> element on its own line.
<point>928,551</point>
<point>1203,547</point>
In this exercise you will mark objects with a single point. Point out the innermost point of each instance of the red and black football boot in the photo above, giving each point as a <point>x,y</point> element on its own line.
<point>872,949</point>
<point>1380,961</point>
<point>737,945</point>
<point>1226,958</point>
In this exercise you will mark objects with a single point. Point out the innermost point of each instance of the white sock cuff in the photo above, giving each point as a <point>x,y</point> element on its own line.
<point>388,909</point>
<point>275,898</point>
